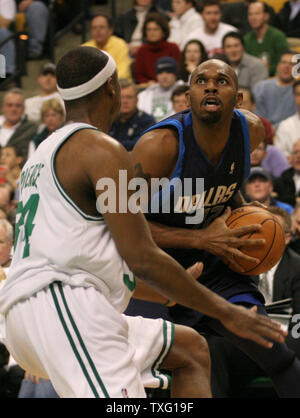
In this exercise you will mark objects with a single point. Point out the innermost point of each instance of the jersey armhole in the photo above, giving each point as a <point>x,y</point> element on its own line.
<point>59,185</point>
<point>178,167</point>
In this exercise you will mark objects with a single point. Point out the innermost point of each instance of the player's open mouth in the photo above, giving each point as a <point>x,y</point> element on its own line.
<point>211,104</point>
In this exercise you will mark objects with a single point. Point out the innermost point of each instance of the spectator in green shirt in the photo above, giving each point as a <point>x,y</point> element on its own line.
<point>264,41</point>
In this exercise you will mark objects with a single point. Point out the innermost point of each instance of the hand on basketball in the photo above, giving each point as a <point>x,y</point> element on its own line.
<point>246,323</point>
<point>225,242</point>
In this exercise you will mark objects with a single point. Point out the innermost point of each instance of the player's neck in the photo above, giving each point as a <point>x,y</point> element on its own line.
<point>212,138</point>
<point>100,123</point>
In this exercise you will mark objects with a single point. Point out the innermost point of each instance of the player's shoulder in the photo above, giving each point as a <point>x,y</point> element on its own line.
<point>95,141</point>
<point>160,140</point>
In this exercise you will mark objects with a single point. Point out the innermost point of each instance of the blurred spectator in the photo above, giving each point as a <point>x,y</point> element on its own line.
<point>287,186</point>
<point>288,131</point>
<point>274,98</point>
<point>12,159</point>
<point>156,99</point>
<point>129,25</point>
<point>132,121</point>
<point>288,19</point>
<point>103,39</point>
<point>16,129</point>
<point>259,187</point>
<point>178,99</point>
<point>186,19</point>
<point>192,55</point>
<point>270,158</point>
<point>156,32</point>
<point>47,84</point>
<point>36,16</point>
<point>264,41</point>
<point>248,69</point>
<point>213,30</point>
<point>7,202</point>
<point>236,13</point>
<point>249,104</point>
<point>53,116</point>
<point>7,16</point>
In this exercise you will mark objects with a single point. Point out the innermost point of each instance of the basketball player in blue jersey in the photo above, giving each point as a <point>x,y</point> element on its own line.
<point>212,141</point>
<point>73,270</point>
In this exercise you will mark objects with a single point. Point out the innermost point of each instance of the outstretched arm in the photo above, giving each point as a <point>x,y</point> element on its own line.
<point>105,158</point>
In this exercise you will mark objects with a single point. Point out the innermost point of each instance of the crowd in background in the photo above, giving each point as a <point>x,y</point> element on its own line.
<point>157,45</point>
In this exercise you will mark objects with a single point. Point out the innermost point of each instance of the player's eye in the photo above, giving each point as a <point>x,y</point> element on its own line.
<point>200,80</point>
<point>222,81</point>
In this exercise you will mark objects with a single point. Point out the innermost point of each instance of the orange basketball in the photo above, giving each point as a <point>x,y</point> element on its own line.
<point>269,254</point>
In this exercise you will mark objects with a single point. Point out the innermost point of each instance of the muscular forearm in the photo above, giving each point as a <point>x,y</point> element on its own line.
<point>172,237</point>
<point>160,270</point>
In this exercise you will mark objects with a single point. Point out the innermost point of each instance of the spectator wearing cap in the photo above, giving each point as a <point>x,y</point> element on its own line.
<point>47,85</point>
<point>156,99</point>
<point>132,121</point>
<point>287,186</point>
<point>259,187</point>
<point>103,39</point>
<point>156,32</point>
<point>16,130</point>
<point>249,69</point>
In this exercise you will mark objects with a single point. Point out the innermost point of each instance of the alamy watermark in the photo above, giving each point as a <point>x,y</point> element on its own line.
<point>134,196</point>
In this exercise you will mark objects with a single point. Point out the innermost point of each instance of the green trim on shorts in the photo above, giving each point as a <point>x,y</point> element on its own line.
<point>69,336</point>
<point>163,354</point>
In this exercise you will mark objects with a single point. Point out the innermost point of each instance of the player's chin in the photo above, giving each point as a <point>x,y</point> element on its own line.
<point>211,116</point>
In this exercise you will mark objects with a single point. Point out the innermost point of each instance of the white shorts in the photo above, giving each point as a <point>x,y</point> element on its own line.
<point>74,337</point>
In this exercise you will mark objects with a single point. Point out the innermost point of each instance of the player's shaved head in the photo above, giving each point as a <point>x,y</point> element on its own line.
<point>79,65</point>
<point>218,65</point>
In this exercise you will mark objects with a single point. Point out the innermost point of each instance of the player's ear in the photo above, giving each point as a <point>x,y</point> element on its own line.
<point>239,99</point>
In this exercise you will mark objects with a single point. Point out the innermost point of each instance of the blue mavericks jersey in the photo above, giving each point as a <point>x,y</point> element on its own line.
<point>220,185</point>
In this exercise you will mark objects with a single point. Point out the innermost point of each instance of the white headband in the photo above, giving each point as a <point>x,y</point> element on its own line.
<point>93,84</point>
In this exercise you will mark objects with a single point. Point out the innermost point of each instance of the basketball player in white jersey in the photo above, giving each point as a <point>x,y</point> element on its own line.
<point>69,282</point>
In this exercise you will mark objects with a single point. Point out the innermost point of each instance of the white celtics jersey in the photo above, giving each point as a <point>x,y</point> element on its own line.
<point>56,241</point>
